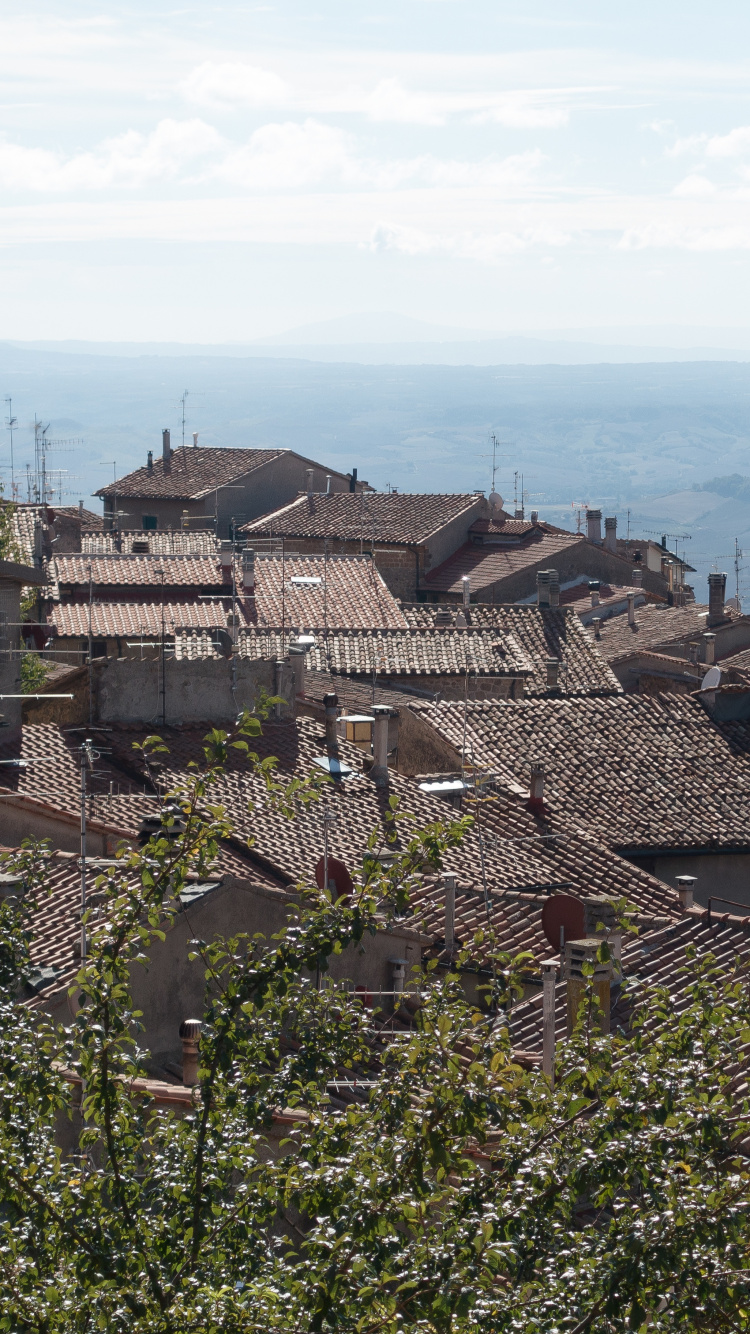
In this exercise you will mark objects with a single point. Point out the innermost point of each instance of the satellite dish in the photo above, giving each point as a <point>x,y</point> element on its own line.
<point>734,604</point>
<point>496,500</point>
<point>564,912</point>
<point>337,872</point>
<point>712,679</point>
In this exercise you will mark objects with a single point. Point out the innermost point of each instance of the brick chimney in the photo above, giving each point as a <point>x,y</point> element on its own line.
<point>553,673</point>
<point>166,448</point>
<point>594,526</point>
<point>708,640</point>
<point>610,535</point>
<point>578,953</point>
<point>717,587</point>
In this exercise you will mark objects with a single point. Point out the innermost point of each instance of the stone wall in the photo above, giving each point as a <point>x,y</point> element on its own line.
<point>129,690</point>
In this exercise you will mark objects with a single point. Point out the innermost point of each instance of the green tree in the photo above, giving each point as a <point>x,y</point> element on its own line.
<point>460,1194</point>
<point>34,671</point>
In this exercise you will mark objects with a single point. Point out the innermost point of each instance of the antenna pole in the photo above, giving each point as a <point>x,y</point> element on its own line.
<point>91,666</point>
<point>163,661</point>
<point>183,401</point>
<point>12,423</point>
<point>84,757</point>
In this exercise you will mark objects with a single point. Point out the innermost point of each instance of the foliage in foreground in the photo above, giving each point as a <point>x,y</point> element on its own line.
<point>462,1194</point>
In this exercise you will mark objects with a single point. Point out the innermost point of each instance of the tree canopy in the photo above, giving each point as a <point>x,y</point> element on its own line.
<point>457,1191</point>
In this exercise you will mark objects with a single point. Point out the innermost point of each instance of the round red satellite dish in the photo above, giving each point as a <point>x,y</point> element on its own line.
<point>563,911</point>
<point>338,873</point>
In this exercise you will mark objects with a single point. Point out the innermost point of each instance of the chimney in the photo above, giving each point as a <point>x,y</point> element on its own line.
<point>554,588</point>
<point>150,461</point>
<point>280,673</point>
<point>80,509</point>
<point>166,448</point>
<point>717,584</point>
<point>309,474</point>
<point>600,919</point>
<point>329,479</point>
<point>709,648</point>
<point>536,798</point>
<point>610,535</point>
<point>225,556</point>
<point>449,881</point>
<point>685,886</point>
<point>248,572</point>
<point>577,954</point>
<point>195,439</point>
<point>185,518</point>
<point>594,526</point>
<point>594,590</point>
<point>535,516</point>
<point>353,480</point>
<point>297,656</point>
<point>597,624</point>
<point>466,589</point>
<point>542,588</point>
<point>190,1032</point>
<point>379,771</point>
<point>631,608</point>
<point>331,705</point>
<point>549,981</point>
<point>553,673</point>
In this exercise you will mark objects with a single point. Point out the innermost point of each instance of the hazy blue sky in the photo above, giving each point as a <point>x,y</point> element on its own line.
<point>224,171</point>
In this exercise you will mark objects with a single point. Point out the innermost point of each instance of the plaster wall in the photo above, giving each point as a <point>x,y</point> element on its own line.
<point>203,690</point>
<point>717,873</point>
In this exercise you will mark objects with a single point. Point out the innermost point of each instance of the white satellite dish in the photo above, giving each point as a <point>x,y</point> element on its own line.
<point>734,604</point>
<point>712,679</point>
<point>496,500</point>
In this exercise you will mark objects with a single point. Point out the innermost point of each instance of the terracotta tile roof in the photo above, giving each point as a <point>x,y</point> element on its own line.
<point>53,779</point>
<point>164,541</point>
<point>399,652</point>
<point>25,517</point>
<point>656,627</point>
<point>613,599</point>
<point>486,565</point>
<point>638,772</point>
<point>193,473</point>
<point>504,525</point>
<point>385,517</point>
<point>109,619</point>
<point>350,593</point>
<point>521,852</point>
<point>657,958</point>
<point>738,662</point>
<point>136,571</point>
<point>542,633</point>
<point>354,696</point>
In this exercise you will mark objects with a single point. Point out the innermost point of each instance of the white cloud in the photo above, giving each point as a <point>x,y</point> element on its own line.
<point>486,247</point>
<point>524,111</point>
<point>129,160</point>
<point>235,83</point>
<point>663,235</point>
<point>391,101</point>
<point>694,186</point>
<point>290,156</point>
<point>734,144</point>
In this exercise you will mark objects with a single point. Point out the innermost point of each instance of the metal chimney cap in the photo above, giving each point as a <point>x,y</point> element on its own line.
<point>190,1029</point>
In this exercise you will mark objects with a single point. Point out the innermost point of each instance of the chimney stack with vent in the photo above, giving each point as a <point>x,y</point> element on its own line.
<point>553,673</point>
<point>554,588</point>
<point>331,706</point>
<point>717,586</point>
<point>166,447</point>
<point>297,655</point>
<point>637,569</point>
<point>309,474</point>
<point>709,647</point>
<point>594,526</point>
<point>597,624</point>
<point>449,881</point>
<point>535,516</point>
<point>466,589</point>
<point>248,572</point>
<point>685,887</point>
<point>226,557</point>
<point>578,953</point>
<point>329,479</point>
<point>536,798</point>
<point>195,439</point>
<point>631,608</point>
<point>549,981</point>
<point>610,535</point>
<point>190,1032</point>
<point>594,590</point>
<point>542,588</point>
<point>150,461</point>
<point>379,771</point>
<point>353,480</point>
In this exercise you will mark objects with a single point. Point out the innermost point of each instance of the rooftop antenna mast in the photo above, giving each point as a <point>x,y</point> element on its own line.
<point>11,422</point>
<point>183,401</point>
<point>738,554</point>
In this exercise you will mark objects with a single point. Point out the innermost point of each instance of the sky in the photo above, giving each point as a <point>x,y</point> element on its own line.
<point>225,172</point>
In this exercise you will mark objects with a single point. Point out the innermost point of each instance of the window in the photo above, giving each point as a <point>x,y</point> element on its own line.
<point>148,521</point>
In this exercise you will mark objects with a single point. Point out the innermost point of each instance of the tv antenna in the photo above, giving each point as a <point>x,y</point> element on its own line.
<point>738,554</point>
<point>11,423</point>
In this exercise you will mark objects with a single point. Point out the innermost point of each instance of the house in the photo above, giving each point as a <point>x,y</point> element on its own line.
<point>407,535</point>
<point>42,531</point>
<point>658,779</point>
<point>14,579</point>
<point>220,487</point>
<point>502,556</point>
